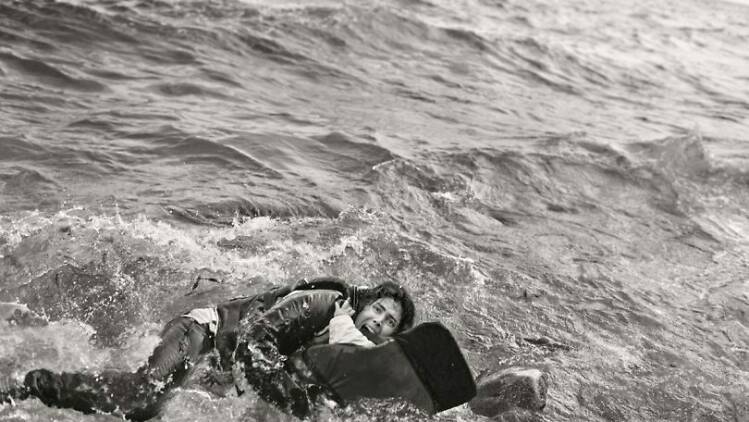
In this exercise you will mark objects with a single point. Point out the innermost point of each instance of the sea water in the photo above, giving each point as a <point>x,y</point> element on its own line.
<point>573,170</point>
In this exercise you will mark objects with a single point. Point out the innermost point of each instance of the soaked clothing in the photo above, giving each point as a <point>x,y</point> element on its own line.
<point>263,345</point>
<point>422,366</point>
<point>253,336</point>
<point>243,311</point>
<point>136,396</point>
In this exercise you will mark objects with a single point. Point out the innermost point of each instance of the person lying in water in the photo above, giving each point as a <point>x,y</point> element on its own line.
<point>251,335</point>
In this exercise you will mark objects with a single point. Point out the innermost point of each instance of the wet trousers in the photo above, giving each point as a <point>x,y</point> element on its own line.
<point>136,396</point>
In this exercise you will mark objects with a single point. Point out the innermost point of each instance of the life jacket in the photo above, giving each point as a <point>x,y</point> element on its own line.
<point>423,366</point>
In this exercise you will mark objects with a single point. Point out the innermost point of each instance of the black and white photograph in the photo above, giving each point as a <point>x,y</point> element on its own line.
<point>374,210</point>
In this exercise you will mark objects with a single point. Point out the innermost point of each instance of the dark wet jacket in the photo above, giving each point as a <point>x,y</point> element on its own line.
<point>244,311</point>
<point>262,342</point>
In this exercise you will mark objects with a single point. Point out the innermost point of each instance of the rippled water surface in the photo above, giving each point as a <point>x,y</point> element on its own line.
<point>577,170</point>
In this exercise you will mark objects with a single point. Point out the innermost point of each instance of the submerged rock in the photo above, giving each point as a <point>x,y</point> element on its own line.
<point>508,390</point>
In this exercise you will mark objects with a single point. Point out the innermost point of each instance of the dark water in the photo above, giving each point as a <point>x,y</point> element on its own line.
<point>577,170</point>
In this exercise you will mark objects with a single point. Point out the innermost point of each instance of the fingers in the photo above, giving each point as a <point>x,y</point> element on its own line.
<point>344,308</point>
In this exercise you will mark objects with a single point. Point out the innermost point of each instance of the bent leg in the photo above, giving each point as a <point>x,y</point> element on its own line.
<point>137,396</point>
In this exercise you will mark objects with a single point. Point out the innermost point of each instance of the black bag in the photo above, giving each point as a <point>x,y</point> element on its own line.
<point>423,365</point>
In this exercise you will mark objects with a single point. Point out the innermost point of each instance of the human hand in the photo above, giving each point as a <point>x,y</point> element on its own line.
<point>343,308</point>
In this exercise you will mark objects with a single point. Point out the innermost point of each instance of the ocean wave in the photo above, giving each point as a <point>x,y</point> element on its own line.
<point>230,212</point>
<point>185,88</point>
<point>71,23</point>
<point>46,73</point>
<point>670,178</point>
<point>18,148</point>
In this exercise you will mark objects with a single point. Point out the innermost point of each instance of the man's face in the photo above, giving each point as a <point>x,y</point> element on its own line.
<point>380,317</point>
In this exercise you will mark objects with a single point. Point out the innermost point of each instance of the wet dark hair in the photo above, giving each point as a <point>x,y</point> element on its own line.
<point>366,296</point>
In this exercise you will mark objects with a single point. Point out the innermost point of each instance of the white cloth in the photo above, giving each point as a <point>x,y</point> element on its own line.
<point>343,330</point>
<point>207,316</point>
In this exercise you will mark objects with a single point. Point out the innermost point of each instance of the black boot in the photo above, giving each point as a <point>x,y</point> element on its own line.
<point>11,390</point>
<point>43,384</point>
